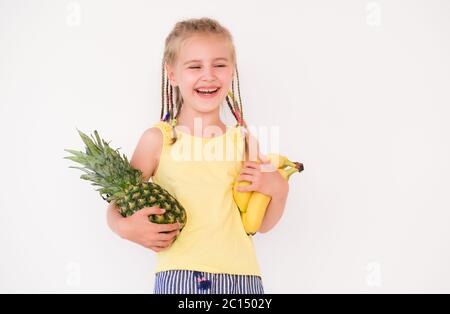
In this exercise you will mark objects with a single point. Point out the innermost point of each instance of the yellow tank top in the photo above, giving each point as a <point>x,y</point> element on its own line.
<point>200,173</point>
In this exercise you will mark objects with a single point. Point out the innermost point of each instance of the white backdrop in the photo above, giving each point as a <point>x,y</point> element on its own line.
<point>358,89</point>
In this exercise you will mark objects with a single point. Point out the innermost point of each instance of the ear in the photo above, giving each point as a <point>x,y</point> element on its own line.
<point>170,75</point>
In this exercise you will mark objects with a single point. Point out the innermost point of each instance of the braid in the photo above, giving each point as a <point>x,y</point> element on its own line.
<point>233,93</point>
<point>172,120</point>
<point>235,110</point>
<point>162,92</point>
<point>167,95</point>
<point>239,94</point>
<point>232,87</point>
<point>178,104</point>
<point>167,101</point>
<point>239,114</point>
<point>171,102</point>
<point>231,108</point>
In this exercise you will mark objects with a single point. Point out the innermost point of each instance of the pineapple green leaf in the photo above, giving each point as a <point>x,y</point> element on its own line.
<point>89,177</point>
<point>82,169</point>
<point>90,145</point>
<point>115,179</point>
<point>74,152</point>
<point>99,141</point>
<point>73,158</point>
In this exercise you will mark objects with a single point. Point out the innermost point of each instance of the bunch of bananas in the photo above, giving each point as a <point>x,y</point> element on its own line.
<point>253,205</point>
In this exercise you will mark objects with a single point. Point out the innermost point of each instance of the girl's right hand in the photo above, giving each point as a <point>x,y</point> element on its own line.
<point>139,229</point>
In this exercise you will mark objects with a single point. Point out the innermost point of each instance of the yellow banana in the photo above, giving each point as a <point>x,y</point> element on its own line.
<point>280,161</point>
<point>242,198</point>
<point>253,216</point>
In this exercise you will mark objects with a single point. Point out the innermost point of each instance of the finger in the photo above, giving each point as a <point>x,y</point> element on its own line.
<point>167,227</point>
<point>249,188</point>
<point>156,248</point>
<point>162,244</point>
<point>245,177</point>
<point>268,167</point>
<point>168,236</point>
<point>147,211</point>
<point>251,164</point>
<point>249,171</point>
<point>264,158</point>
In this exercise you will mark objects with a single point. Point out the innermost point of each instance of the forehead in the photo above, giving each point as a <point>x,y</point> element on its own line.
<point>204,48</point>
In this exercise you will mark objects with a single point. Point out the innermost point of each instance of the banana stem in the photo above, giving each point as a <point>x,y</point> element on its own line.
<point>299,166</point>
<point>290,163</point>
<point>290,171</point>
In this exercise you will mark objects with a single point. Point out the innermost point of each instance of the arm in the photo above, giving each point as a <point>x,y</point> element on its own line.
<point>137,228</point>
<point>115,220</point>
<point>275,209</point>
<point>269,182</point>
<point>145,159</point>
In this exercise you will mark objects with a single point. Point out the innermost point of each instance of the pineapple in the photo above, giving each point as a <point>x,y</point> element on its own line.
<point>121,183</point>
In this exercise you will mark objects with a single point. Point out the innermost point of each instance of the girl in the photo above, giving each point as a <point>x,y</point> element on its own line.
<point>213,253</point>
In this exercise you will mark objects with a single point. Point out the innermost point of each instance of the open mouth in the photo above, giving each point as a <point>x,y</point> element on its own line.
<point>207,92</point>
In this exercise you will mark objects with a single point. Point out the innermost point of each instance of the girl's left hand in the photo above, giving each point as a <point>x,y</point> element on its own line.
<point>264,178</point>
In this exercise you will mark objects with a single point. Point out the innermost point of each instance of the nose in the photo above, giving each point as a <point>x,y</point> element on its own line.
<point>208,73</point>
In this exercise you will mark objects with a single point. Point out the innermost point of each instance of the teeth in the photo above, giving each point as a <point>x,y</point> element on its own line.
<point>207,90</point>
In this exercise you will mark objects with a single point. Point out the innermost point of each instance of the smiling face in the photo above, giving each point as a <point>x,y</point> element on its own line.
<point>203,71</point>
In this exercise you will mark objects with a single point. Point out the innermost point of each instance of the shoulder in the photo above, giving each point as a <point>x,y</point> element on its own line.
<point>153,132</point>
<point>147,152</point>
<point>152,137</point>
<point>164,130</point>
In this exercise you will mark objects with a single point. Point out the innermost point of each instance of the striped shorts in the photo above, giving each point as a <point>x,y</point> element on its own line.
<point>195,282</point>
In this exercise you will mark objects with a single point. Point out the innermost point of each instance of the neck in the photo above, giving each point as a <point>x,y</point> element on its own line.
<point>193,119</point>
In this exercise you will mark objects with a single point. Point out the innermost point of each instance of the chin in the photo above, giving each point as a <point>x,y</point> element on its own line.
<point>205,108</point>
<point>206,105</point>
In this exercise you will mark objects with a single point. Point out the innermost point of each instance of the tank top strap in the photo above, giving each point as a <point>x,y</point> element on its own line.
<point>166,130</point>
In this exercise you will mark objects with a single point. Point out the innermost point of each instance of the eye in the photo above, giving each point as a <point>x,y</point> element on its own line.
<point>217,66</point>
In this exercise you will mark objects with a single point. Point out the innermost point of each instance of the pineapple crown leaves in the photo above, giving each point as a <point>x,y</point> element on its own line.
<point>104,166</point>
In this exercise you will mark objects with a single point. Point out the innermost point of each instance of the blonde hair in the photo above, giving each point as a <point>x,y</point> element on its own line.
<point>182,31</point>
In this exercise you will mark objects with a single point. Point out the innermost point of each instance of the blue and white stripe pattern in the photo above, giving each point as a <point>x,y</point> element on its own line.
<point>195,282</point>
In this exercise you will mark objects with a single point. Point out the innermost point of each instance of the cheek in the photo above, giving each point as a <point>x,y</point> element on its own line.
<point>187,84</point>
<point>226,80</point>
<point>225,76</point>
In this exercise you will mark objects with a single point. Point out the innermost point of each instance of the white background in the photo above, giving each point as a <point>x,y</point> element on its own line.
<point>358,89</point>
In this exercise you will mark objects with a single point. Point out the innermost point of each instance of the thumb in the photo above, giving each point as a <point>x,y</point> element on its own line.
<point>151,210</point>
<point>266,164</point>
<point>264,158</point>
